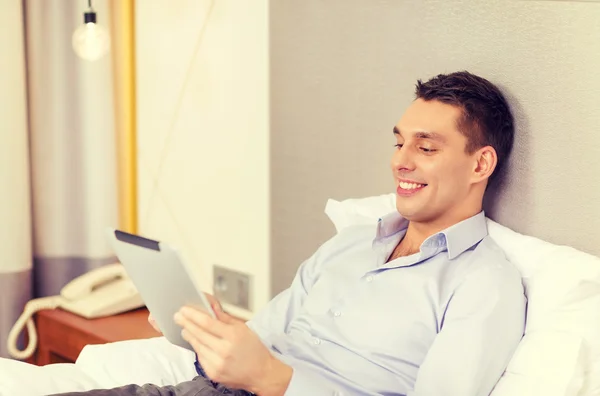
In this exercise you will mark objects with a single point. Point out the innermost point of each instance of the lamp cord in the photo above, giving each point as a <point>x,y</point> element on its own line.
<point>90,4</point>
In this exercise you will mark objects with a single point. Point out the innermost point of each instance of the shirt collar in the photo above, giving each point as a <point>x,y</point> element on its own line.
<point>464,235</point>
<point>390,225</point>
<point>456,238</point>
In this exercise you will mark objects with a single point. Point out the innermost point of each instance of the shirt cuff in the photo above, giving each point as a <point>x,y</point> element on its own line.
<point>304,383</point>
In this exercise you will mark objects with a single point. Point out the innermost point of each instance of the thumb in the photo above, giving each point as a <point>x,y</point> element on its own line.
<point>226,318</point>
<point>216,306</point>
<point>214,303</point>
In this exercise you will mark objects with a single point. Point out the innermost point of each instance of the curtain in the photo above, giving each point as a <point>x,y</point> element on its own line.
<point>15,222</point>
<point>67,147</point>
<point>72,143</point>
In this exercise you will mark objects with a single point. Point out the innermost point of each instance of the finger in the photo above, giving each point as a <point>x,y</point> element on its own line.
<point>226,318</point>
<point>216,306</point>
<point>153,323</point>
<point>214,303</point>
<point>207,357</point>
<point>209,340</point>
<point>205,322</point>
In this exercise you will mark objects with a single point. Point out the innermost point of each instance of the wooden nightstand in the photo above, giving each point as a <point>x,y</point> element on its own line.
<point>62,335</point>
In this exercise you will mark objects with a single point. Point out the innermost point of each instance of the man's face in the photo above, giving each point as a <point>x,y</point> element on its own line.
<point>432,171</point>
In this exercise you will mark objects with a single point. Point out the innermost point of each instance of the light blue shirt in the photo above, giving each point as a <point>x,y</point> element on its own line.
<point>443,321</point>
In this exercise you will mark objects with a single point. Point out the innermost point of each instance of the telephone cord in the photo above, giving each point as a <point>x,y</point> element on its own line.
<point>26,318</point>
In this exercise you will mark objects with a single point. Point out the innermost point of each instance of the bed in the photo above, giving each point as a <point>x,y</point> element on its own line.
<point>559,354</point>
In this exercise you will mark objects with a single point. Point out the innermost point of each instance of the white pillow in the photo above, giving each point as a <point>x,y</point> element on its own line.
<point>560,352</point>
<point>152,360</point>
<point>24,379</point>
<point>104,366</point>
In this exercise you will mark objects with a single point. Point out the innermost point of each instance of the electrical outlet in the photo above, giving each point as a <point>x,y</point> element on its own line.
<point>231,287</point>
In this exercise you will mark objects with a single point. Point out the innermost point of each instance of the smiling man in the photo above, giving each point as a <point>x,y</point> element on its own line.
<point>422,304</point>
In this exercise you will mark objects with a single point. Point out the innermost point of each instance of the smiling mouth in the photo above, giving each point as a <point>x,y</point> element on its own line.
<point>409,186</point>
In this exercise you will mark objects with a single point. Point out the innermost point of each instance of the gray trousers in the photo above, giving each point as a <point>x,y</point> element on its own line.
<point>199,386</point>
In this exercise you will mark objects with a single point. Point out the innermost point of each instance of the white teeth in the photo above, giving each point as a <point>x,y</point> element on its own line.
<point>409,186</point>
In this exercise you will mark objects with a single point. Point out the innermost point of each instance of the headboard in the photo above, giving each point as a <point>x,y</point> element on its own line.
<point>344,70</point>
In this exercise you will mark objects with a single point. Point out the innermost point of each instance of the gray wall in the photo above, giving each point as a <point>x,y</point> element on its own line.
<point>342,72</point>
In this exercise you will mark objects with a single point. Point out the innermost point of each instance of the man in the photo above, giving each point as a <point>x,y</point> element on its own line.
<point>423,304</point>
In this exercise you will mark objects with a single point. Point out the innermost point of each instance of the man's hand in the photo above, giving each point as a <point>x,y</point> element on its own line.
<point>214,303</point>
<point>232,354</point>
<point>153,323</point>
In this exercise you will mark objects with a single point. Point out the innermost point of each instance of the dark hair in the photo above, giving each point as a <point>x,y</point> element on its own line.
<point>486,118</point>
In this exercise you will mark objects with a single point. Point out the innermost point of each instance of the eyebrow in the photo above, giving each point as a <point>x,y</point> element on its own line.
<point>424,135</point>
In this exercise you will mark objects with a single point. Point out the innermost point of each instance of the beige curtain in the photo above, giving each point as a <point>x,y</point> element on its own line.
<point>74,174</point>
<point>15,220</point>
<point>72,133</point>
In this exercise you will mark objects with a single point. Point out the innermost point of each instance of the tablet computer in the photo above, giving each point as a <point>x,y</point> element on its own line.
<point>162,279</point>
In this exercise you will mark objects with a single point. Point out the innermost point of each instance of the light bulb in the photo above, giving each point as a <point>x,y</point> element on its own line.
<point>91,41</point>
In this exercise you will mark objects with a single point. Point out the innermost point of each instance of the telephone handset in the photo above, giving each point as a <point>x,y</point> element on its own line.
<point>104,291</point>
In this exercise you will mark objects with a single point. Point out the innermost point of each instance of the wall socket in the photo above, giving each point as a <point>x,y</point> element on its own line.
<point>231,287</point>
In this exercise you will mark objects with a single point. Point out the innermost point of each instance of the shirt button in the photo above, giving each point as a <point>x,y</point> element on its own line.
<point>337,314</point>
<point>369,278</point>
<point>317,341</point>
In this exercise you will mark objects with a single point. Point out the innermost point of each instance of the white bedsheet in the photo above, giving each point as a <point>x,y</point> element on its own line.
<point>105,366</point>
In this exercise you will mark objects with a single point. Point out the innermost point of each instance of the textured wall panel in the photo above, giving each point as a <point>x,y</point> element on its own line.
<point>342,72</point>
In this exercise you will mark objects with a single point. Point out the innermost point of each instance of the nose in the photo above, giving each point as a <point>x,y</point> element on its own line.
<point>402,160</point>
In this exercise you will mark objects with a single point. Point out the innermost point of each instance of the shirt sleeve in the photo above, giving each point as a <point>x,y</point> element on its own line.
<point>305,383</point>
<point>482,326</point>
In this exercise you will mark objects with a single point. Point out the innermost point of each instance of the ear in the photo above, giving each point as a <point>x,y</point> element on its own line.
<point>486,160</point>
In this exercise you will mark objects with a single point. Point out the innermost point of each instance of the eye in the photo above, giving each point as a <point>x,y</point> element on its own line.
<point>398,146</point>
<point>427,150</point>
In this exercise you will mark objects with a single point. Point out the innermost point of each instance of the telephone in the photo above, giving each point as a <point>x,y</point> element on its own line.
<point>104,291</point>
